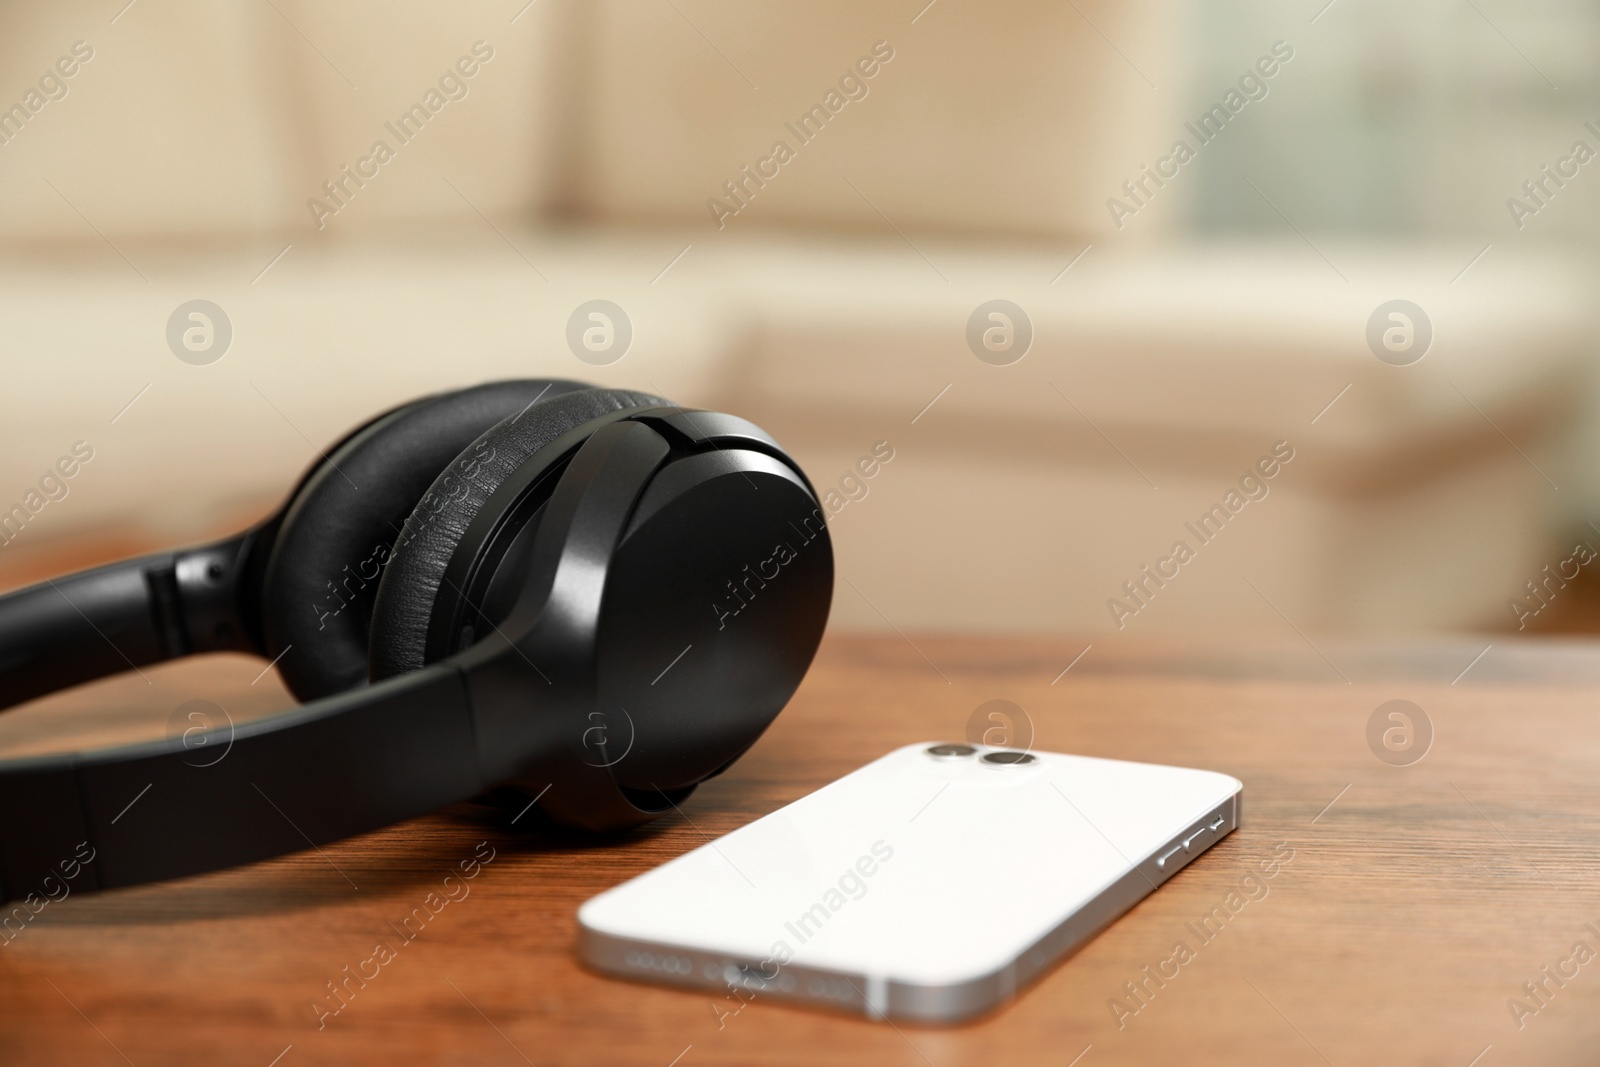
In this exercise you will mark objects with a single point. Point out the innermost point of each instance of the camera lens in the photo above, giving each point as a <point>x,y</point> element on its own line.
<point>950,751</point>
<point>1008,757</point>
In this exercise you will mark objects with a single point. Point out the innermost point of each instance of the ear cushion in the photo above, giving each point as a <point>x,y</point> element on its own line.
<point>321,575</point>
<point>403,610</point>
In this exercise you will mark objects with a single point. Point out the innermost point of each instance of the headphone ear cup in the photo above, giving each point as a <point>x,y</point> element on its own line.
<point>334,539</point>
<point>403,611</point>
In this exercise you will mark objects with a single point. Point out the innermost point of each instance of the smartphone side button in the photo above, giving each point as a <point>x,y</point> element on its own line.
<point>1185,848</point>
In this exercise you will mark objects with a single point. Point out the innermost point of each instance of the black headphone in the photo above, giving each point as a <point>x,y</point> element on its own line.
<point>592,596</point>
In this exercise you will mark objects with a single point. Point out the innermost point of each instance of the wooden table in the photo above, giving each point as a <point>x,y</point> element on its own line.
<point>1417,902</point>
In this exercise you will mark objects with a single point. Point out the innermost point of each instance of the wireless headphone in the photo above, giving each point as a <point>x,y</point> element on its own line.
<point>589,595</point>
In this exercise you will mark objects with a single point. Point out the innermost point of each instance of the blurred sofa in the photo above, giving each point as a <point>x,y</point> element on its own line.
<point>578,160</point>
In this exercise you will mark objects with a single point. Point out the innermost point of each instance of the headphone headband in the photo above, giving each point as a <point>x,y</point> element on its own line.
<point>336,767</point>
<point>83,626</point>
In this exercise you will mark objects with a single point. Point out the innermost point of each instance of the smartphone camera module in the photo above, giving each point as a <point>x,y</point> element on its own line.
<point>950,751</point>
<point>1009,758</point>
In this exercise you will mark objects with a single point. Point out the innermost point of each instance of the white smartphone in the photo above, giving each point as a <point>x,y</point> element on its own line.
<point>931,884</point>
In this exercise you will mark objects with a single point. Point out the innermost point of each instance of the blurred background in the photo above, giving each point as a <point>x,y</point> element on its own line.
<point>1170,315</point>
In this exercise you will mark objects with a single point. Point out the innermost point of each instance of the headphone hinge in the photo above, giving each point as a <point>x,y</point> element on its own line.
<point>203,584</point>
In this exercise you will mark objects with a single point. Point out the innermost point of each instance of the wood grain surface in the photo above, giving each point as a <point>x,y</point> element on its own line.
<point>1417,903</point>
